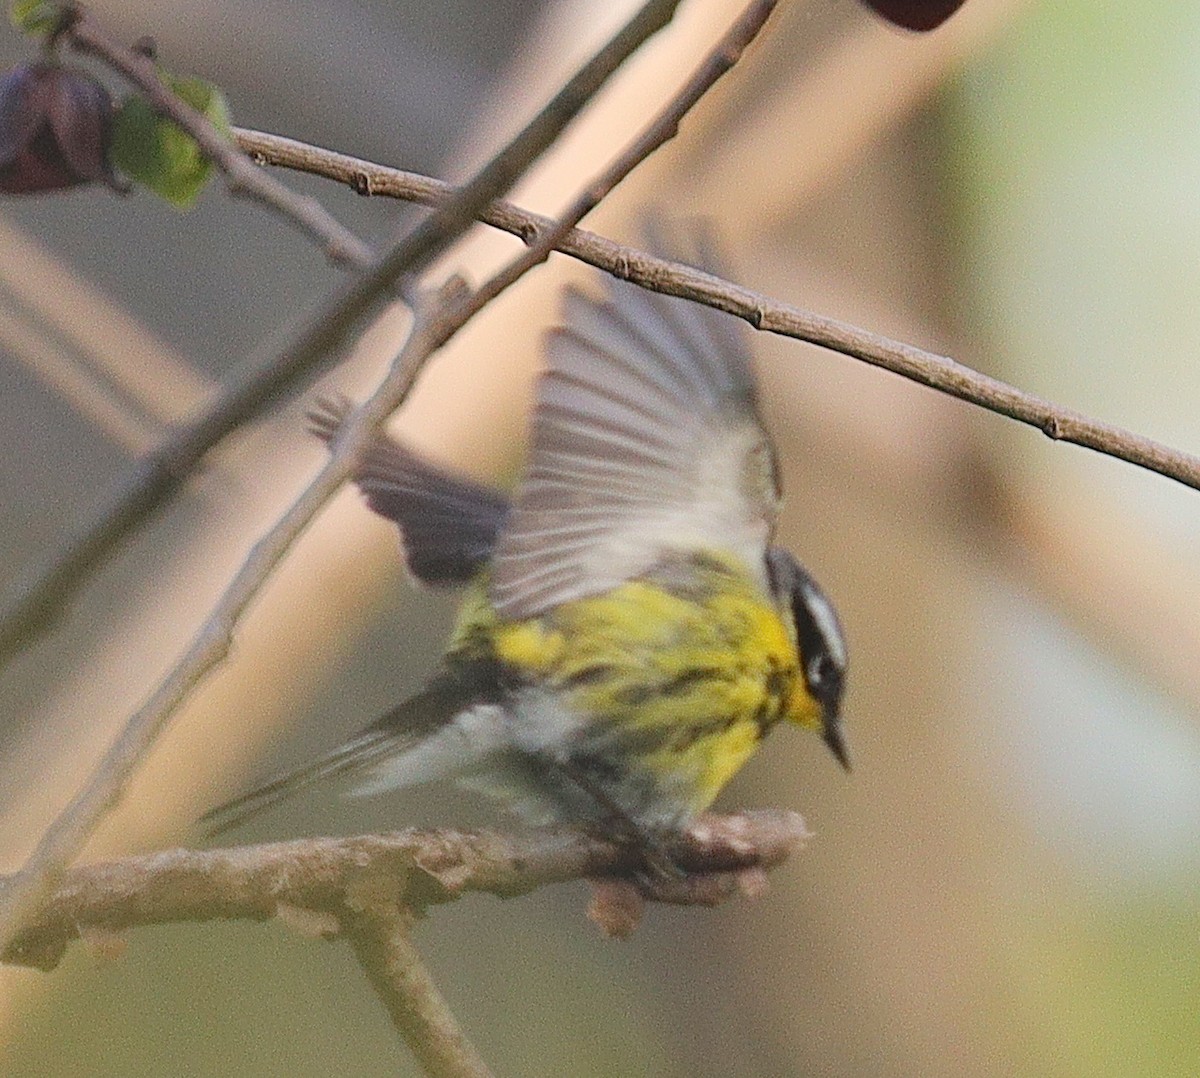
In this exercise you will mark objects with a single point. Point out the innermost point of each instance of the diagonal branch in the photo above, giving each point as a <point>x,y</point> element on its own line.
<point>938,372</point>
<point>380,934</point>
<point>545,238</point>
<point>65,837</point>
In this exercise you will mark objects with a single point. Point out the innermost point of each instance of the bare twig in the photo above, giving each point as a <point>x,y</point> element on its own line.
<point>39,598</point>
<point>452,218</point>
<point>337,876</point>
<point>727,52</point>
<point>926,368</point>
<point>81,29</point>
<point>660,130</point>
<point>379,934</point>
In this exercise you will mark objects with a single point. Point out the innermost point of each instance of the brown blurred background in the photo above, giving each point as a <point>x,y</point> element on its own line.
<point>1007,883</point>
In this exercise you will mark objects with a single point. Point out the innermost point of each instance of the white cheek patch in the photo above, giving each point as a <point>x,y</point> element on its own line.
<point>827,622</point>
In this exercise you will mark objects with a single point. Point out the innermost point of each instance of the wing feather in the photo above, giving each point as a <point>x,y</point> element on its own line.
<point>646,440</point>
<point>448,524</point>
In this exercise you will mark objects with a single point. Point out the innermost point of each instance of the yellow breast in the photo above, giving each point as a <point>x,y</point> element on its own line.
<point>679,677</point>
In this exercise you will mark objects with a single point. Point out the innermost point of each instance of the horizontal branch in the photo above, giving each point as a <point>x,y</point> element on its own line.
<point>336,877</point>
<point>927,368</point>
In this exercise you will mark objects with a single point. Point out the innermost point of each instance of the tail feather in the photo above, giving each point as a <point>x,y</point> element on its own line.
<point>349,757</point>
<point>439,730</point>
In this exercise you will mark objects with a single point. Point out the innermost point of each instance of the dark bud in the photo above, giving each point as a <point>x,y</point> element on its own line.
<point>55,124</point>
<point>916,14</point>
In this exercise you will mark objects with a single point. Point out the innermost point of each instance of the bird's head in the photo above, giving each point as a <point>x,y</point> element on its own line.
<point>821,645</point>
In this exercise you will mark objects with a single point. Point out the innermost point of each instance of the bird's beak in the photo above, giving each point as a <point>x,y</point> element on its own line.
<point>836,740</point>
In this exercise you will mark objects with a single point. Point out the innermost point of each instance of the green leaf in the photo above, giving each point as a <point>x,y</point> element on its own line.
<point>36,17</point>
<point>159,154</point>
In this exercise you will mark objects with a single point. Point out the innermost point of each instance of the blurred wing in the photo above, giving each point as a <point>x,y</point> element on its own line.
<point>448,524</point>
<point>646,439</point>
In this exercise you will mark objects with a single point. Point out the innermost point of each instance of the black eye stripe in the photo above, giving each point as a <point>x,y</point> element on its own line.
<point>814,618</point>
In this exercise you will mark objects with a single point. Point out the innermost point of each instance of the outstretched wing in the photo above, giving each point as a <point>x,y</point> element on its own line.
<point>448,524</point>
<point>646,439</point>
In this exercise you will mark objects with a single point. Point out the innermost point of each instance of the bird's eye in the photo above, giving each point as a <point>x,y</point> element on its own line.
<point>822,669</point>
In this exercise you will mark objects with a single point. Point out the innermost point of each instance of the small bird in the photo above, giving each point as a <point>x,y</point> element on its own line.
<point>631,632</point>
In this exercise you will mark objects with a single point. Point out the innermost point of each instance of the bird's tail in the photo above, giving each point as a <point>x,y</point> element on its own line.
<point>352,756</point>
<point>441,730</point>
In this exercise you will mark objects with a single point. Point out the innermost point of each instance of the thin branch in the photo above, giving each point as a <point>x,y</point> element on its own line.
<point>39,598</point>
<point>81,29</point>
<point>1044,535</point>
<point>415,869</point>
<point>452,218</point>
<point>938,372</point>
<point>660,130</point>
<point>379,934</point>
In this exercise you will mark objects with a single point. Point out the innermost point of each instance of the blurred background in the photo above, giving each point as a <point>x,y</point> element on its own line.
<point>1007,884</point>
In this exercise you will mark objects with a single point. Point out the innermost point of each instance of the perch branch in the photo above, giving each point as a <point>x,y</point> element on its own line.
<point>414,869</point>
